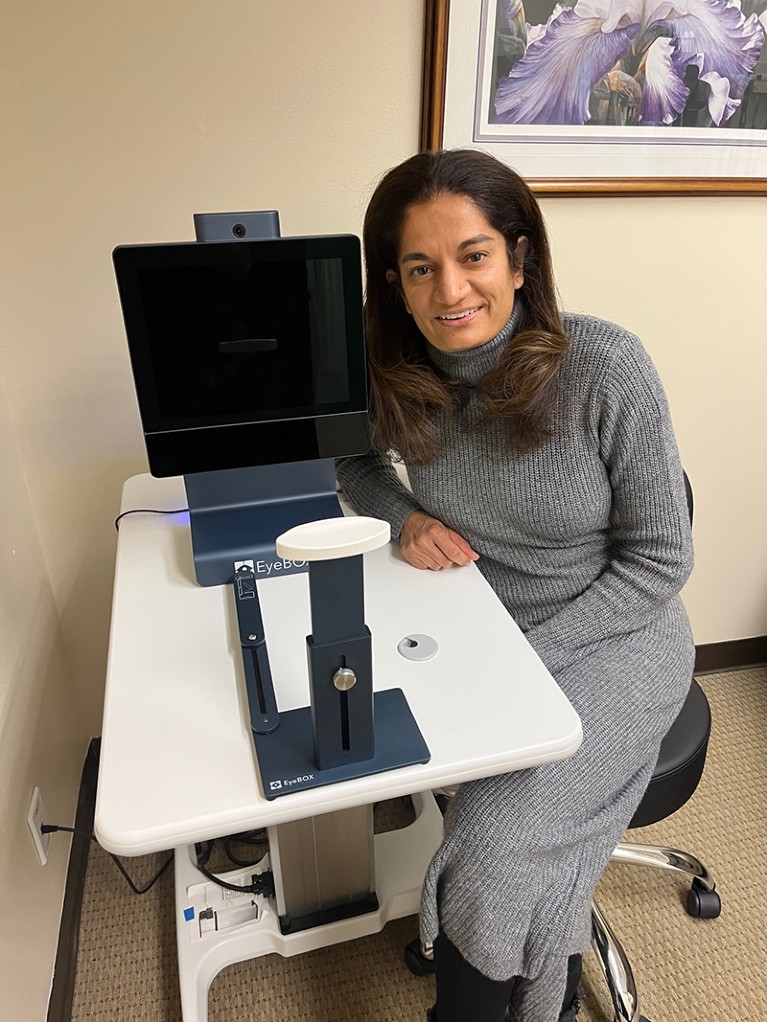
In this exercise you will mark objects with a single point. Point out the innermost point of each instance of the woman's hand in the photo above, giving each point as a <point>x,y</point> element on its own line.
<point>428,544</point>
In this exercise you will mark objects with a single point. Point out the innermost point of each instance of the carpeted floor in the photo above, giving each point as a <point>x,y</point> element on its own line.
<point>686,969</point>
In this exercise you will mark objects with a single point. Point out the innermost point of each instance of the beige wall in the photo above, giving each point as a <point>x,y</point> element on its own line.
<point>42,743</point>
<point>125,119</point>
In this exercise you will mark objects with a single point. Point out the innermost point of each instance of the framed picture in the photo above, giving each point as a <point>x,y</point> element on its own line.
<point>603,97</point>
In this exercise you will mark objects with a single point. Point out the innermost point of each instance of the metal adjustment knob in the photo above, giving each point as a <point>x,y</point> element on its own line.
<point>344,679</point>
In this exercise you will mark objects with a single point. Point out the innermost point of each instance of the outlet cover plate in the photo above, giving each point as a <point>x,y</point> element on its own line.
<point>36,818</point>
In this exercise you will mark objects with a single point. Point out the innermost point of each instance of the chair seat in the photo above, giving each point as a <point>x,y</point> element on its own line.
<point>680,763</point>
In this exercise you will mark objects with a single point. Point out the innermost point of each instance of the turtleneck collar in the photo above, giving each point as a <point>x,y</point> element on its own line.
<point>471,365</point>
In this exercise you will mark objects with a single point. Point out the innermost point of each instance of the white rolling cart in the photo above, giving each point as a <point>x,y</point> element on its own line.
<point>178,763</point>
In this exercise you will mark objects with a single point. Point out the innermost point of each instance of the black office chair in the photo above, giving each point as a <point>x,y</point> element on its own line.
<point>675,778</point>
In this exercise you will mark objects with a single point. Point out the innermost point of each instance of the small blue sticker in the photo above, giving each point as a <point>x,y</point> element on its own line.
<point>188,915</point>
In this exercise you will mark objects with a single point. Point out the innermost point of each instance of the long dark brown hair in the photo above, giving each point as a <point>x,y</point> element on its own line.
<point>407,392</point>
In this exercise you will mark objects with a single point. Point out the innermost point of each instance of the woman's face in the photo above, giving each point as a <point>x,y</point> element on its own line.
<point>454,273</point>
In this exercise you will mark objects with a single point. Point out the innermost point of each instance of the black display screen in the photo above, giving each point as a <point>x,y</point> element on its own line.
<point>226,334</point>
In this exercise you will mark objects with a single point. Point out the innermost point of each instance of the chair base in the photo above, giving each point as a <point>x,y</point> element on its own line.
<point>615,967</point>
<point>702,901</point>
<point>660,857</point>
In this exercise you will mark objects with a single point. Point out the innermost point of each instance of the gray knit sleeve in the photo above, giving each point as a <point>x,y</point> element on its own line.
<point>372,486</point>
<point>650,537</point>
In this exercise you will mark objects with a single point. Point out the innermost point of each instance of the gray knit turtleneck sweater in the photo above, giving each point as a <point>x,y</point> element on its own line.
<point>586,540</point>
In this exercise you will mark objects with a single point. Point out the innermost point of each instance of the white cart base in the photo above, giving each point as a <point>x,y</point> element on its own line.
<point>401,860</point>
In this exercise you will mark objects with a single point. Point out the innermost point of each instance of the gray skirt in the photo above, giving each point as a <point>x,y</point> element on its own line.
<point>512,882</point>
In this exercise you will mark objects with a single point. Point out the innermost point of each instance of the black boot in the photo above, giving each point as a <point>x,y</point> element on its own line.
<point>572,1001</point>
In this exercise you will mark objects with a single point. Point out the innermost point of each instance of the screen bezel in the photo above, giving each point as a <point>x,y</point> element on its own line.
<point>179,447</point>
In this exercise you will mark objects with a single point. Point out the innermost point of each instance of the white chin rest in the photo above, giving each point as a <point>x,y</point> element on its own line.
<point>330,538</point>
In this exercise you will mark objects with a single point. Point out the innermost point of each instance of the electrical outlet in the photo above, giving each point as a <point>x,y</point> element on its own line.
<point>36,818</point>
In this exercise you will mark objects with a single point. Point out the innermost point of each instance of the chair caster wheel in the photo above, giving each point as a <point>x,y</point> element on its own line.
<point>702,903</point>
<point>418,963</point>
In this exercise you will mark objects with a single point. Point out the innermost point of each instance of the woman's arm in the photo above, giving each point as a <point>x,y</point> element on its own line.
<point>651,535</point>
<point>372,485</point>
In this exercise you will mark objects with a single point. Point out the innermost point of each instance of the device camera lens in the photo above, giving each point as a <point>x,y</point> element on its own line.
<point>239,230</point>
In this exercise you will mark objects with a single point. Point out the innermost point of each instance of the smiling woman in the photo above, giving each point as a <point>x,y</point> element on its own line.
<point>538,445</point>
<point>457,282</point>
<point>455,236</point>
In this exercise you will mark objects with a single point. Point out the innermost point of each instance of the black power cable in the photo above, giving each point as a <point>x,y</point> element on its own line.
<point>245,839</point>
<point>152,882</point>
<point>48,828</point>
<point>261,883</point>
<point>147,511</point>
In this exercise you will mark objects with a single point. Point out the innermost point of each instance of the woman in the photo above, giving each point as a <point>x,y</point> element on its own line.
<point>540,446</point>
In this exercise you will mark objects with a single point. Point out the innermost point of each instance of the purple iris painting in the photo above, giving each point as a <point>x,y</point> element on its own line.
<point>628,62</point>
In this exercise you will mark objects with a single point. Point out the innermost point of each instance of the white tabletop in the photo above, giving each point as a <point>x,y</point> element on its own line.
<point>177,757</point>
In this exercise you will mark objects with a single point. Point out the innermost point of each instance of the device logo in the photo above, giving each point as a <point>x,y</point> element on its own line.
<point>294,782</point>
<point>284,566</point>
<point>245,579</point>
<point>298,780</point>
